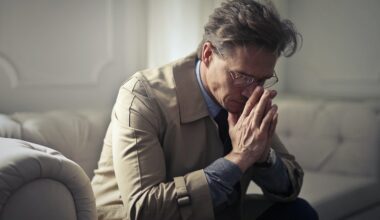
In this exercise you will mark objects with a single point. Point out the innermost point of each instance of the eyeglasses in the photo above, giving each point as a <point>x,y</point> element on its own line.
<point>242,80</point>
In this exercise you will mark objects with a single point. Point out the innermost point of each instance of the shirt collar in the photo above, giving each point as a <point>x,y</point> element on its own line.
<point>212,107</point>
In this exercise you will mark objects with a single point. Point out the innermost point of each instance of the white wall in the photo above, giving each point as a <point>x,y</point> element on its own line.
<point>76,53</point>
<point>175,28</point>
<point>283,9</point>
<point>341,50</point>
<point>60,54</point>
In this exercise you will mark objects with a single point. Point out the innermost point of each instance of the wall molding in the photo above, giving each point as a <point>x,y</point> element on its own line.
<point>13,73</point>
<point>9,70</point>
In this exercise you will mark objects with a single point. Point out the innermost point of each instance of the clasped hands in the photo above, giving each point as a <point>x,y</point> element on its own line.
<point>252,130</point>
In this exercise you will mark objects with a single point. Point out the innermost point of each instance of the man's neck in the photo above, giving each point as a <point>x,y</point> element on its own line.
<point>203,72</point>
<point>212,105</point>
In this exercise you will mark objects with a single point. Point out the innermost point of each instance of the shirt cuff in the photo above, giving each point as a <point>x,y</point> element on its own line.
<point>274,179</point>
<point>221,176</point>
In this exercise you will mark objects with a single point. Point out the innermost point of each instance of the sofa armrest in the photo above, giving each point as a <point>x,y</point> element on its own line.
<point>37,182</point>
<point>9,128</point>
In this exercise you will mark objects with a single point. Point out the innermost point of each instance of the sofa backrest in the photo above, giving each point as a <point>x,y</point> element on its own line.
<point>77,135</point>
<point>331,136</point>
<point>325,135</point>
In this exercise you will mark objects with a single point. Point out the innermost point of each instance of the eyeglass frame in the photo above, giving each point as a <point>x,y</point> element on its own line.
<point>249,80</point>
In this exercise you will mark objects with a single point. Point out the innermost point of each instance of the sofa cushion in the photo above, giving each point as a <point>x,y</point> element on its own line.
<point>369,213</point>
<point>77,135</point>
<point>296,119</point>
<point>336,196</point>
<point>356,130</point>
<point>331,136</point>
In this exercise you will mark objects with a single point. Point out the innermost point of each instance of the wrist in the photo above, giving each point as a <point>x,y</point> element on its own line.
<point>239,160</point>
<point>269,161</point>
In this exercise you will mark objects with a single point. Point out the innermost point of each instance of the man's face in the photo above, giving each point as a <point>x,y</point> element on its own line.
<point>250,61</point>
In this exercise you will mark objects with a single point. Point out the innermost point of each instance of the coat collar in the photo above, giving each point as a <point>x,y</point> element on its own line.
<point>192,105</point>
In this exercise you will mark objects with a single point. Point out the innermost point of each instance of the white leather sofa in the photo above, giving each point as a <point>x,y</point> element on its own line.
<point>39,183</point>
<point>337,143</point>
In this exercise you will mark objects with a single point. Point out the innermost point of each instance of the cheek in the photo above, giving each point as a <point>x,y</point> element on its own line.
<point>220,86</point>
<point>227,92</point>
<point>233,99</point>
<point>222,89</point>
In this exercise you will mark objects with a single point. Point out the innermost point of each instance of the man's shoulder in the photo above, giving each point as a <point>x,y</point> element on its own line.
<point>169,68</point>
<point>162,78</point>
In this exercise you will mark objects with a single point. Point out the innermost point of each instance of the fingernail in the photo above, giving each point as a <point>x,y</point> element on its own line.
<point>259,88</point>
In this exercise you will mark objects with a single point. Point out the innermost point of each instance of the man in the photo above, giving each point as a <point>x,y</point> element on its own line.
<point>173,152</point>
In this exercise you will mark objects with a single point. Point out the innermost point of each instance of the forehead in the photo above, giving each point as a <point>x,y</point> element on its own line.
<point>251,59</point>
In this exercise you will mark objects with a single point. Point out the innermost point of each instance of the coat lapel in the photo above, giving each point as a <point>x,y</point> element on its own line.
<point>192,105</point>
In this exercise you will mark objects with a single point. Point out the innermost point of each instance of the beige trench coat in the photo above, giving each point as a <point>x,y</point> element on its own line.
<point>160,139</point>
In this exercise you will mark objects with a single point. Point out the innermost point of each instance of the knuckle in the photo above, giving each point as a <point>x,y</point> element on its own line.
<point>260,136</point>
<point>250,103</point>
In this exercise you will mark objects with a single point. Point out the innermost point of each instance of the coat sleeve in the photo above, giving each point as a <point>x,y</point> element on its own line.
<point>294,171</point>
<point>140,165</point>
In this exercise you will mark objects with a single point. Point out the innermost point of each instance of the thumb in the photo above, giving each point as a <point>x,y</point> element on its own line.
<point>232,119</point>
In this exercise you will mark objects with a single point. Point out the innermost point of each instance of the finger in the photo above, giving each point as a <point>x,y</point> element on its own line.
<point>232,119</point>
<point>264,127</point>
<point>258,114</point>
<point>273,94</point>
<point>252,100</point>
<point>270,127</point>
<point>273,125</point>
<point>267,108</point>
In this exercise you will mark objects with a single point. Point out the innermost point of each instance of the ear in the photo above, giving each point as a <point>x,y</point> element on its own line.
<point>207,53</point>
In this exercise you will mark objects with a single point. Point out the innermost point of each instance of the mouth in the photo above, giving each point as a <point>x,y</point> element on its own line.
<point>242,102</point>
